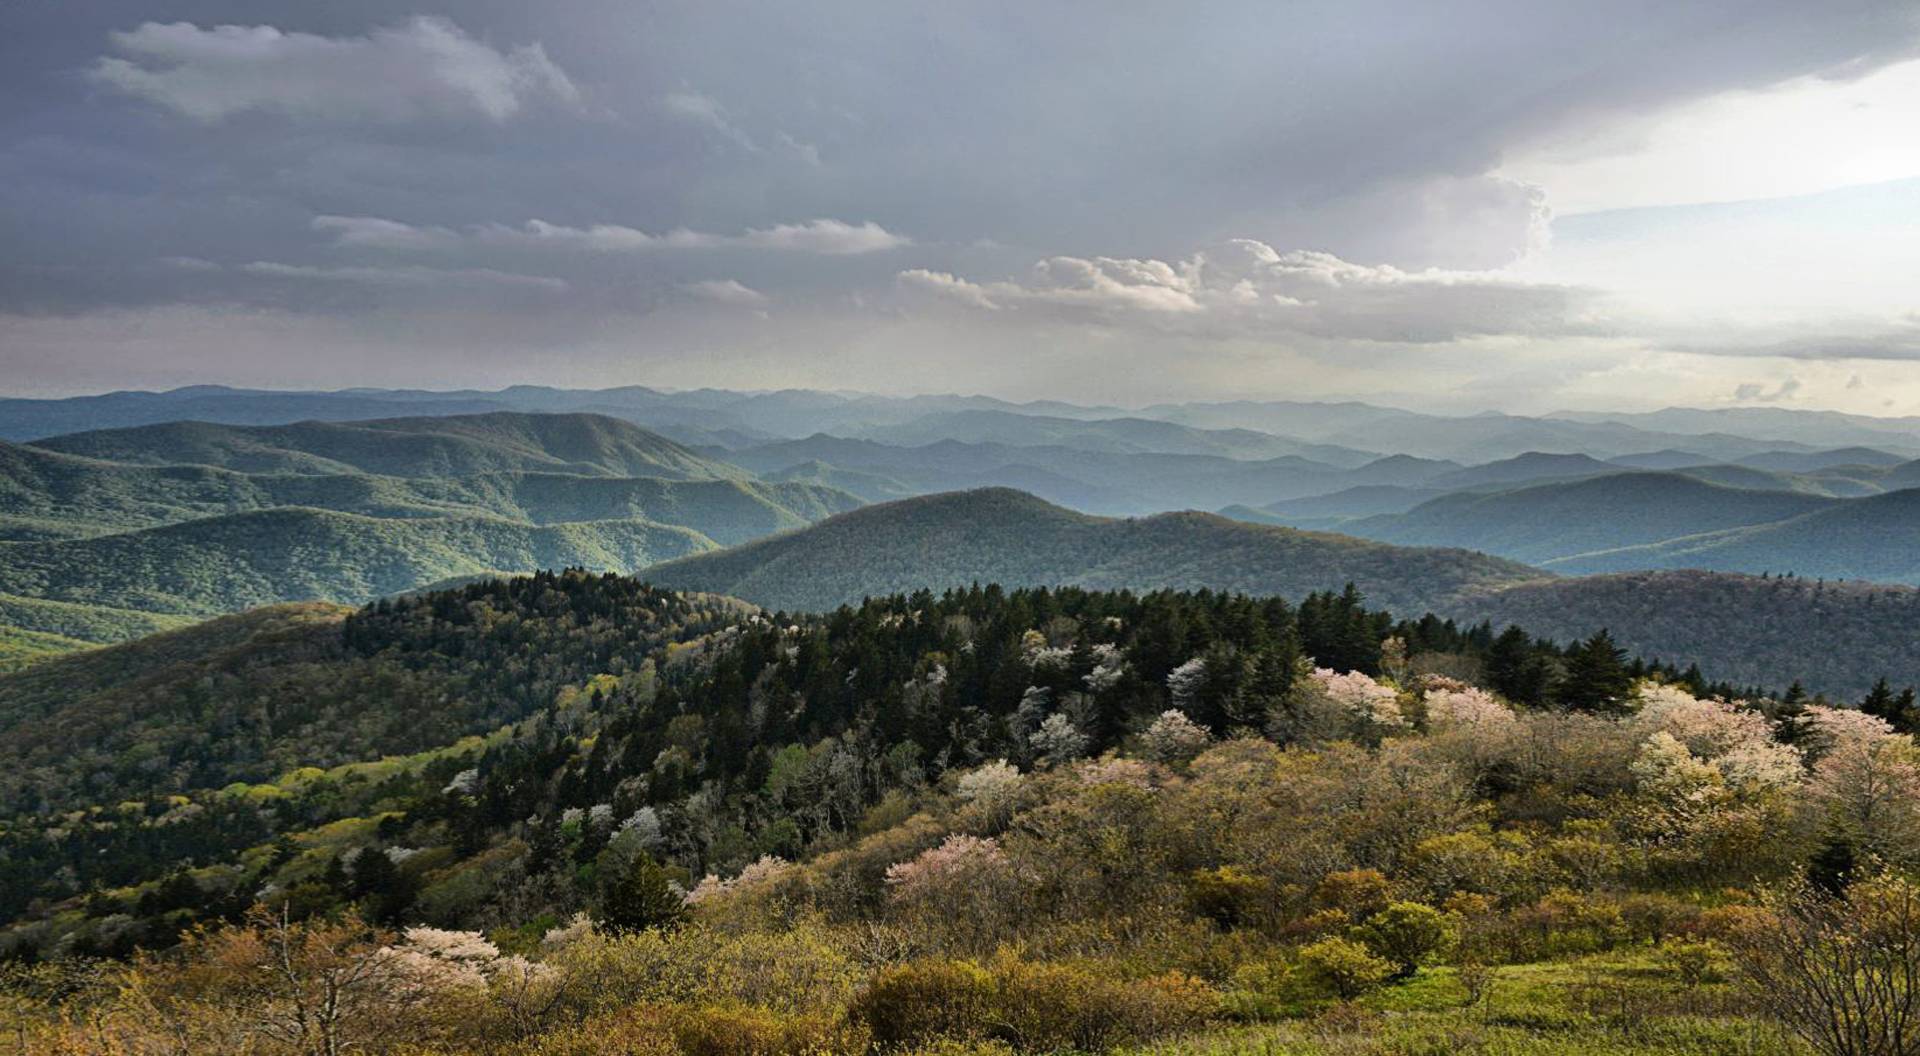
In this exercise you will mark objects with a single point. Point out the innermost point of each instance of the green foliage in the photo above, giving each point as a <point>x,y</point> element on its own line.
<point>638,895</point>
<point>1344,968</point>
<point>1405,934</point>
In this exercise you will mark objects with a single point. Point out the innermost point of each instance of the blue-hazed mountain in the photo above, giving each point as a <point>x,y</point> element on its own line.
<point>1116,435</point>
<point>999,535</point>
<point>1549,522</point>
<point>452,446</point>
<point>1875,538</point>
<point>1757,629</point>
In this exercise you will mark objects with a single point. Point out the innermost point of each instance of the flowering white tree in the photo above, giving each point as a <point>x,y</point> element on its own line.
<point>1736,740</point>
<point>758,874</point>
<point>1058,740</point>
<point>1467,708</point>
<point>1365,704</point>
<point>1185,682</point>
<point>964,889</point>
<point>1109,667</point>
<point>1866,781</point>
<point>1174,738</point>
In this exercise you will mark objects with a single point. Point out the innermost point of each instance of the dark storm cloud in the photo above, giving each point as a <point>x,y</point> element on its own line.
<point>583,164</point>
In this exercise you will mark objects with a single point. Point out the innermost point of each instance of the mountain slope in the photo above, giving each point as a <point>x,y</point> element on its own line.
<point>1012,538</point>
<point>1836,638</point>
<point>454,446</point>
<point>220,564</point>
<point>48,494</point>
<point>1755,630</point>
<point>1553,521</point>
<point>252,696</point>
<point>1874,538</point>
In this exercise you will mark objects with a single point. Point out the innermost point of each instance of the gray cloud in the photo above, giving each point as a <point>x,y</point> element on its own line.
<point>423,67</point>
<point>1246,287</point>
<point>1897,339</point>
<point>412,275</point>
<point>825,236</point>
<point>1756,392</point>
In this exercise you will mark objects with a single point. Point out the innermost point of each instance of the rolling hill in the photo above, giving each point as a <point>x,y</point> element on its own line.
<point>1875,538</point>
<point>1834,637</point>
<point>453,446</point>
<point>1548,522</point>
<point>1754,629</point>
<point>48,494</point>
<point>220,564</point>
<point>1004,536</point>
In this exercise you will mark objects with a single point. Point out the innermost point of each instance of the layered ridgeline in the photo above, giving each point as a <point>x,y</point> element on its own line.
<point>998,535</point>
<point>1718,518</point>
<point>190,518</point>
<point>1768,631</point>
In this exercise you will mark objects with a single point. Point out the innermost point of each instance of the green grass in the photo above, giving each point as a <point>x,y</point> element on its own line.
<point>1597,1006</point>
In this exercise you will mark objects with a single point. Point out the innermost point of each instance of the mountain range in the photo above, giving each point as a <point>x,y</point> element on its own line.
<point>1764,631</point>
<point>162,517</point>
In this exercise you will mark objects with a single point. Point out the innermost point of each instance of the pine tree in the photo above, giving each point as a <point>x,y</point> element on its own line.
<point>1880,702</point>
<point>639,897</point>
<point>1597,679</point>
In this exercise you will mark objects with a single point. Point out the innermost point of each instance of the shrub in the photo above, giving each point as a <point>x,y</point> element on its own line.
<point>1033,1006</point>
<point>704,1030</point>
<point>1842,971</point>
<point>1359,893</point>
<point>1344,968</point>
<point>1043,1007</point>
<point>1691,962</point>
<point>1229,896</point>
<point>917,1002</point>
<point>1406,934</point>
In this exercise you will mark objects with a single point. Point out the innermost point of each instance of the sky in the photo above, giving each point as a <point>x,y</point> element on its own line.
<point>1524,205</point>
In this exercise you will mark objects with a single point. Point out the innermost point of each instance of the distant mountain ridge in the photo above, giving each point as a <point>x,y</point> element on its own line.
<point>1746,625</point>
<point>1004,536</point>
<point>193,518</point>
<point>450,446</point>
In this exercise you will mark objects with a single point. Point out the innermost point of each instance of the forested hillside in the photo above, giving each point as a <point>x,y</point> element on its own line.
<point>193,519</point>
<point>1563,522</point>
<point>1003,536</point>
<point>221,564</point>
<point>1026,820</point>
<point>1769,631</point>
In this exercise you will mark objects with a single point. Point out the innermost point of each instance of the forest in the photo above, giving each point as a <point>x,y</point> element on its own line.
<point>613,818</point>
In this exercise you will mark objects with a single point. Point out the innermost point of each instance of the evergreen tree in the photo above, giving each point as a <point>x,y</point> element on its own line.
<point>638,897</point>
<point>1597,679</point>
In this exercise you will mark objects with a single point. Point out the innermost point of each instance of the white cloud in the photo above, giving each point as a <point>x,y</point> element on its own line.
<point>824,237</point>
<point>1245,287</point>
<point>422,67</point>
<point>726,291</point>
<point>407,276</point>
